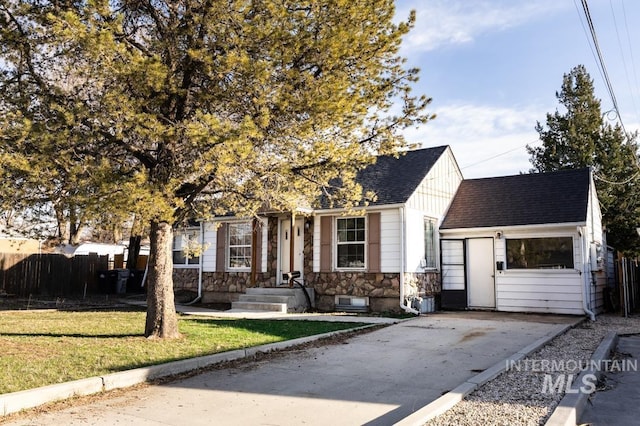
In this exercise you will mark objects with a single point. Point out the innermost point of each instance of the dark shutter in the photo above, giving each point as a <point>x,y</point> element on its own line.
<point>221,243</point>
<point>258,231</point>
<point>325,243</point>
<point>373,242</point>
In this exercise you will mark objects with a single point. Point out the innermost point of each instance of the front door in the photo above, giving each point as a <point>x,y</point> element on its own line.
<point>285,248</point>
<point>481,284</point>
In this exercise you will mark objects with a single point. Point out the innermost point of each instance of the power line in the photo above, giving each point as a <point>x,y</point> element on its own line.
<point>633,61</point>
<point>624,62</point>
<point>600,61</point>
<point>498,155</point>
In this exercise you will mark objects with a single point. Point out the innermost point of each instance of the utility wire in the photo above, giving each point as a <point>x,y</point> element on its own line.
<point>603,67</point>
<point>498,155</point>
<point>633,61</point>
<point>598,177</point>
<point>624,62</point>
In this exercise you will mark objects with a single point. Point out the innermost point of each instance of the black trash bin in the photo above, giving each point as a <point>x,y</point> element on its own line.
<point>134,284</point>
<point>105,282</point>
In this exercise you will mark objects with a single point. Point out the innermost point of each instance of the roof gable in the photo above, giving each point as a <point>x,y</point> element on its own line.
<point>528,199</point>
<point>394,180</point>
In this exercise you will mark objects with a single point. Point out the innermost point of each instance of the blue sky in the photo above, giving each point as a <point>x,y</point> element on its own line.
<point>493,67</point>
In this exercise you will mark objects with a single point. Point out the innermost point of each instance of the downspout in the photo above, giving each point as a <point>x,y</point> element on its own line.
<point>403,221</point>
<point>200,263</point>
<point>586,272</point>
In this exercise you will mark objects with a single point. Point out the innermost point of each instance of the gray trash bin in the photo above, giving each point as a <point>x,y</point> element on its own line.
<point>121,283</point>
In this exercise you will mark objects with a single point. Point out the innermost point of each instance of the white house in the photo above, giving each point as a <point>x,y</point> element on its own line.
<point>525,243</point>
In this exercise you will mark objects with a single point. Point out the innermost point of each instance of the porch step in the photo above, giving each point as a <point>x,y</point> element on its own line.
<point>274,291</point>
<point>268,298</point>
<point>273,299</point>
<point>260,306</point>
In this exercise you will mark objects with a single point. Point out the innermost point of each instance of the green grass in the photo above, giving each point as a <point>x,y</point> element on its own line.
<point>38,348</point>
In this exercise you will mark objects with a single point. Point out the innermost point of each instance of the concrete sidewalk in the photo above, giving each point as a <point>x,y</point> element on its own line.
<point>237,313</point>
<point>617,403</point>
<point>376,378</point>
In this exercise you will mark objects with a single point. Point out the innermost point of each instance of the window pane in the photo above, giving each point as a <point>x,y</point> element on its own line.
<point>351,229</point>
<point>177,242</point>
<point>179,258</point>
<point>239,245</point>
<point>540,253</point>
<point>429,243</point>
<point>351,238</point>
<point>351,256</point>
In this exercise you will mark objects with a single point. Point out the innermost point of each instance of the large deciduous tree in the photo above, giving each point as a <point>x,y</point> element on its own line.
<point>178,109</point>
<point>581,136</point>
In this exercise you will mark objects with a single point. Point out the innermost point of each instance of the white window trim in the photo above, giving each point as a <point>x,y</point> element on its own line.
<point>227,248</point>
<point>336,244</point>
<point>541,270</point>
<point>181,232</point>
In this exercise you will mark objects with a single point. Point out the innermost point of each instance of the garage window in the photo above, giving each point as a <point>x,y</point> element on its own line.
<point>540,253</point>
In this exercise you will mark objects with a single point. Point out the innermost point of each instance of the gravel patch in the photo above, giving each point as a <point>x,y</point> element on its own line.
<point>523,396</point>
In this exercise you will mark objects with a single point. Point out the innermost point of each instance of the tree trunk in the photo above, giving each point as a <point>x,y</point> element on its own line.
<point>162,321</point>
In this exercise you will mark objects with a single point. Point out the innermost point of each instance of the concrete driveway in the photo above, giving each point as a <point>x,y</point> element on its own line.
<point>375,378</point>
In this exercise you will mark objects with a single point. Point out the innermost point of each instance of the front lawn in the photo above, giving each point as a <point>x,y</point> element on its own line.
<point>39,348</point>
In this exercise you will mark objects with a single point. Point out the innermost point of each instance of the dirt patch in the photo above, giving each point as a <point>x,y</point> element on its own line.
<point>472,335</point>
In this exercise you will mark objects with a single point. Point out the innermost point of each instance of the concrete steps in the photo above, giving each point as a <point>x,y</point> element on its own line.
<point>259,306</point>
<point>273,299</point>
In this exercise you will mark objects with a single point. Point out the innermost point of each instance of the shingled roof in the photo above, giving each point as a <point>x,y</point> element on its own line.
<point>394,180</point>
<point>530,199</point>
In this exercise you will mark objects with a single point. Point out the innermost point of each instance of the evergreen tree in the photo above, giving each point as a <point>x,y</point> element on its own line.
<point>580,137</point>
<point>179,109</point>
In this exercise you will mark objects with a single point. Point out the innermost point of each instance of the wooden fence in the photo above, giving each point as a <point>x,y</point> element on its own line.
<point>51,274</point>
<point>628,271</point>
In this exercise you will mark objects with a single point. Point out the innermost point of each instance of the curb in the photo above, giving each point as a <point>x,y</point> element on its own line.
<point>572,404</point>
<point>451,398</point>
<point>31,398</point>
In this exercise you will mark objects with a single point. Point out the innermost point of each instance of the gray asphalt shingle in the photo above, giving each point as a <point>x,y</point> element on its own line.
<point>528,199</point>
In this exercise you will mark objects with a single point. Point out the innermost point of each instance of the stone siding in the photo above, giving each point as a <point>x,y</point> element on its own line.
<point>185,279</point>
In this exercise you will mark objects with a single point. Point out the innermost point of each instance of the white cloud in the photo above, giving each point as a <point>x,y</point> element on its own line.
<point>487,141</point>
<point>452,22</point>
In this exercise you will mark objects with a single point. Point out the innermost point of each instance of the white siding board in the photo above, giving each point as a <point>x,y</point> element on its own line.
<point>540,289</point>
<point>527,304</point>
<point>390,249</point>
<point>209,255</point>
<point>550,310</point>
<point>537,296</point>
<point>435,192</point>
<point>539,281</point>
